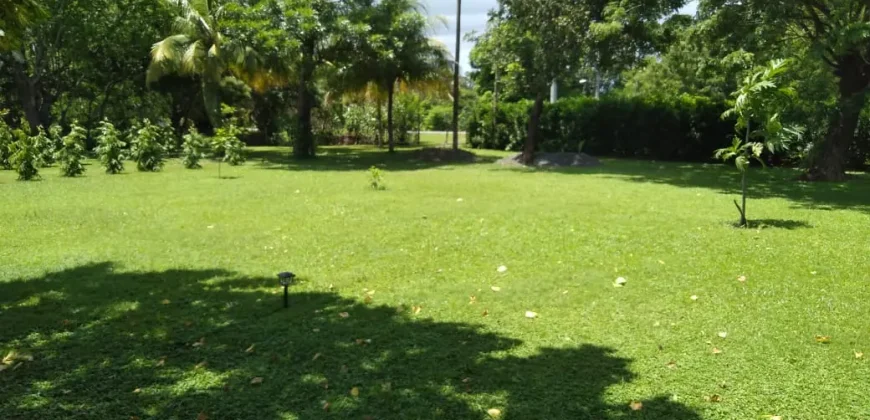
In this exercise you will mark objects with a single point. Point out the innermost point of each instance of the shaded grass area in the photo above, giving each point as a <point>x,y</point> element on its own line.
<point>138,295</point>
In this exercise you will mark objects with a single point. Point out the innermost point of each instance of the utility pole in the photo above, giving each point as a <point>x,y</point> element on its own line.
<point>456,76</point>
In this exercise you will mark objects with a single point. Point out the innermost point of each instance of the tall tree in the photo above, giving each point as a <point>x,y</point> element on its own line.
<point>15,17</point>
<point>837,31</point>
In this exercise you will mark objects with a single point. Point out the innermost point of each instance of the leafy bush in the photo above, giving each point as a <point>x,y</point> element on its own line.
<point>6,140</point>
<point>440,118</point>
<point>686,128</point>
<point>193,149</point>
<point>146,148</point>
<point>72,151</point>
<point>110,148</point>
<point>376,179</point>
<point>45,146</point>
<point>360,122</point>
<point>24,156</point>
<point>226,145</point>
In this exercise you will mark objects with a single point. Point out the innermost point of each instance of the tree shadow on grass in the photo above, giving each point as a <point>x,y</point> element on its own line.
<point>352,158</point>
<point>113,344</point>
<point>776,224</point>
<point>763,183</point>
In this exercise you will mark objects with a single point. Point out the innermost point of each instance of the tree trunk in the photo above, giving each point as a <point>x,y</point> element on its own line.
<point>390,93</point>
<point>828,161</point>
<point>380,115</point>
<point>743,220</point>
<point>304,147</point>
<point>212,101</point>
<point>27,92</point>
<point>534,129</point>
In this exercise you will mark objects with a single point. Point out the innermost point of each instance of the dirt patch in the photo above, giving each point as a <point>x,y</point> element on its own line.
<point>554,160</point>
<point>443,154</point>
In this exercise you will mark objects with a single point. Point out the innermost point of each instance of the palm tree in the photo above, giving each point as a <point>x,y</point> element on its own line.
<point>400,51</point>
<point>200,49</point>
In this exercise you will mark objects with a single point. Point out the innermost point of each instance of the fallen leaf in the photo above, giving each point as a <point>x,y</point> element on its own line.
<point>199,343</point>
<point>859,355</point>
<point>344,315</point>
<point>331,286</point>
<point>620,282</point>
<point>485,312</point>
<point>661,262</point>
<point>370,293</point>
<point>256,381</point>
<point>466,380</point>
<point>565,292</point>
<point>495,289</point>
<point>823,339</point>
<point>636,406</point>
<point>775,417</point>
<point>325,405</point>
<point>165,301</point>
<point>354,392</point>
<point>316,356</point>
<point>531,315</point>
<point>250,349</point>
<point>722,334</point>
<point>716,351</point>
<point>741,279</point>
<point>202,416</point>
<point>714,398</point>
<point>472,300</point>
<point>210,226</point>
<point>694,297</point>
<point>672,365</point>
<point>459,200</point>
<point>201,364</point>
<point>494,413</point>
<point>502,269</point>
<point>137,390</point>
<point>416,309</point>
<point>316,330</point>
<point>161,362</point>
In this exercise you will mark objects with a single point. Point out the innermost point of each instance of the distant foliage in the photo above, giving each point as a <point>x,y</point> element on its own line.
<point>147,150</point>
<point>46,148</point>
<point>6,140</point>
<point>110,148</point>
<point>226,145</point>
<point>685,128</point>
<point>440,118</point>
<point>376,179</point>
<point>193,149</point>
<point>24,157</point>
<point>72,152</point>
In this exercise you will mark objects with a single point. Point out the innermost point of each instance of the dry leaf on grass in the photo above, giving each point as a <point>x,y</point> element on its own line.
<point>741,279</point>
<point>531,315</point>
<point>672,365</point>
<point>199,343</point>
<point>201,365</point>
<point>325,405</point>
<point>165,301</point>
<point>714,398</point>
<point>716,351</point>
<point>722,334</point>
<point>472,300</point>
<point>495,289</point>
<point>344,314</point>
<point>620,282</point>
<point>256,381</point>
<point>636,406</point>
<point>416,309</point>
<point>316,356</point>
<point>161,362</point>
<point>354,392</point>
<point>494,413</point>
<point>859,355</point>
<point>694,297</point>
<point>502,269</point>
<point>485,312</point>
<point>137,390</point>
<point>250,349</point>
<point>823,339</point>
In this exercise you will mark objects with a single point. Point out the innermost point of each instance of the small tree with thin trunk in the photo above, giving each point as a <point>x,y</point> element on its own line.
<point>72,152</point>
<point>758,99</point>
<point>110,148</point>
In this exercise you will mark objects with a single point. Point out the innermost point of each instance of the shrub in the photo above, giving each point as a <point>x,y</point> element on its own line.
<point>45,147</point>
<point>24,157</point>
<point>72,151</point>
<point>686,128</point>
<point>146,148</point>
<point>440,118</point>
<point>193,149</point>
<point>226,145</point>
<point>376,179</point>
<point>110,148</point>
<point>6,140</point>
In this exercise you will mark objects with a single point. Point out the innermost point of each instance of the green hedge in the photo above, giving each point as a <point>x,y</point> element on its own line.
<point>687,129</point>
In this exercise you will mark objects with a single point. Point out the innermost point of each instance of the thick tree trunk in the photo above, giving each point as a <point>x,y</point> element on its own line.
<point>304,147</point>
<point>27,97</point>
<point>390,93</point>
<point>212,101</point>
<point>534,129</point>
<point>379,136</point>
<point>828,161</point>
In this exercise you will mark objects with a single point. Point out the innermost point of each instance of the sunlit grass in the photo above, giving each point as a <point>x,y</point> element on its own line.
<point>109,282</point>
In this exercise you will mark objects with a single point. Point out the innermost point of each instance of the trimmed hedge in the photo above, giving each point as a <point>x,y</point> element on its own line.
<point>685,129</point>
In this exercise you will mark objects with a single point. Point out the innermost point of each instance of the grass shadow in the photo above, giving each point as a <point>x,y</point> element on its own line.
<point>776,224</point>
<point>763,183</point>
<point>352,158</point>
<point>173,344</point>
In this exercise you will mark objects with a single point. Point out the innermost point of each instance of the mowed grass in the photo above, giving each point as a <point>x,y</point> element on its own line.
<point>153,295</point>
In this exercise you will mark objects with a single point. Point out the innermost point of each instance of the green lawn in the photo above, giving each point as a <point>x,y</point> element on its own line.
<point>139,294</point>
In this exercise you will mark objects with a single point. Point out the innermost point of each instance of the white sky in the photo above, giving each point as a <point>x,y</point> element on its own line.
<point>474,17</point>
